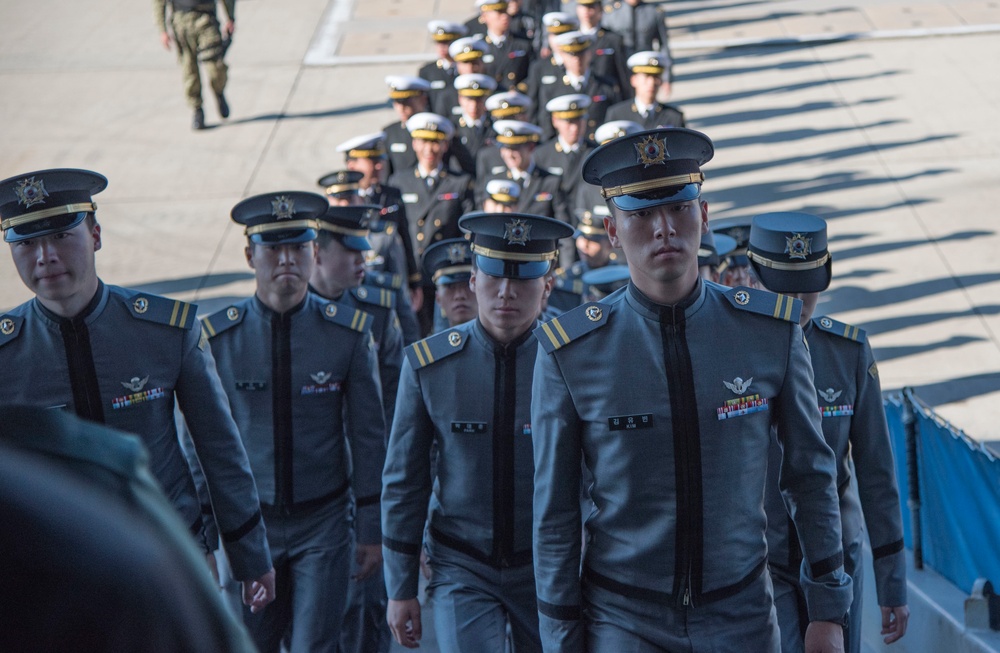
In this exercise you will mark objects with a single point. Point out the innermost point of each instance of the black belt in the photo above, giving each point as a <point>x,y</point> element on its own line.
<point>518,559</point>
<point>656,596</point>
<point>308,504</point>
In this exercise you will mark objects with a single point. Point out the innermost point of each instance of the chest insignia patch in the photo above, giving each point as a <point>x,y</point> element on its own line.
<point>829,395</point>
<point>738,386</point>
<point>321,376</point>
<point>135,384</point>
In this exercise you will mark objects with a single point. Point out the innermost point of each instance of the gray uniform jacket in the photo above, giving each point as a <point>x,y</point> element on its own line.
<point>124,362</point>
<point>473,397</point>
<point>850,402</point>
<point>302,385</point>
<point>678,450</point>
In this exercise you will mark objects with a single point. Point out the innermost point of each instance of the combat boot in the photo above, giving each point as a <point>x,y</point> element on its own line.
<point>198,122</point>
<point>223,105</point>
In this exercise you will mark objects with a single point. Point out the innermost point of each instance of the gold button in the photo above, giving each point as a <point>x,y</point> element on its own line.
<point>420,222</point>
<point>438,236</point>
<point>420,236</point>
<point>437,223</point>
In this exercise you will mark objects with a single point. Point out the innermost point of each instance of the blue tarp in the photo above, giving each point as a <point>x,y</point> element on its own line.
<point>959,496</point>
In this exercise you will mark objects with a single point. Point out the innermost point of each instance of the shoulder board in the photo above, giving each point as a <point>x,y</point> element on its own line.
<point>385,279</point>
<point>560,331</point>
<point>432,349</point>
<point>764,302</point>
<point>347,316</point>
<point>374,295</point>
<point>839,328</point>
<point>214,324</point>
<point>10,328</point>
<point>162,310</point>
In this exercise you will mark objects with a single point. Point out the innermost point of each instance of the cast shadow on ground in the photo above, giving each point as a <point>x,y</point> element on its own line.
<point>888,325</point>
<point>852,298</point>
<point>328,113</point>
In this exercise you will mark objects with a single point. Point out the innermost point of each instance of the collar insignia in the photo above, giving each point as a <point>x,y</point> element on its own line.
<point>829,395</point>
<point>594,313</point>
<point>6,326</point>
<point>30,192</point>
<point>321,377</point>
<point>652,150</point>
<point>282,207</point>
<point>517,232</point>
<point>454,338</point>
<point>738,386</point>
<point>135,384</point>
<point>798,246</point>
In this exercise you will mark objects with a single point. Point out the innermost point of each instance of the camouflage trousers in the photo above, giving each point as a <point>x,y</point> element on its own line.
<point>199,40</point>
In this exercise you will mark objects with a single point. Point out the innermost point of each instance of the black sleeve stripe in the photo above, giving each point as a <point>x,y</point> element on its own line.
<point>249,525</point>
<point>560,612</point>
<point>887,549</point>
<point>824,567</point>
<point>361,502</point>
<point>401,547</point>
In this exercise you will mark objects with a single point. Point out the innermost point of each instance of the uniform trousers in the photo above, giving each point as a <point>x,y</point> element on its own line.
<point>745,621</point>
<point>199,39</point>
<point>365,627</point>
<point>474,602</point>
<point>789,602</point>
<point>312,560</point>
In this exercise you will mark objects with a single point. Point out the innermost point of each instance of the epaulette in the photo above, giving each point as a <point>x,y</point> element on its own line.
<point>347,316</point>
<point>214,324</point>
<point>433,348</point>
<point>374,295</point>
<point>764,302</point>
<point>10,328</point>
<point>560,331</point>
<point>385,279</point>
<point>840,329</point>
<point>162,310</point>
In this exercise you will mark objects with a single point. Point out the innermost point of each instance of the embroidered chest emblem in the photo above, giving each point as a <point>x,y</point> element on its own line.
<point>321,376</point>
<point>798,246</point>
<point>135,384</point>
<point>829,395</point>
<point>738,385</point>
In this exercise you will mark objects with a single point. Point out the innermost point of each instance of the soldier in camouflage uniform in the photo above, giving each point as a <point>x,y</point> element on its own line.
<point>198,36</point>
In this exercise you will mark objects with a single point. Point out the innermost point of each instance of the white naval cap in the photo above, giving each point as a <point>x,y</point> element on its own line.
<point>503,105</point>
<point>560,22</point>
<point>444,31</point>
<point>366,146</point>
<point>475,85</point>
<point>516,132</point>
<point>573,42</point>
<point>430,127</point>
<point>469,48</point>
<point>406,86</point>
<point>649,62</point>
<point>616,129</point>
<point>505,191</point>
<point>569,107</point>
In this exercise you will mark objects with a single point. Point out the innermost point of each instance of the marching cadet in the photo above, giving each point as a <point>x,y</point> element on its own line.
<point>509,105</point>
<point>196,33</point>
<point>609,47</point>
<point>643,26</point>
<point>448,263</point>
<point>649,80</point>
<point>548,66</point>
<point>575,49</point>
<point>472,128</point>
<point>303,385</point>
<point>595,252</point>
<point>736,271</point>
<point>468,390</point>
<point>522,25</point>
<point>564,154</point>
<point>788,252</point>
<point>507,56</point>
<point>540,189</point>
<point>123,358</point>
<point>675,554</point>
<point>341,187</point>
<point>502,196</point>
<point>441,72</point>
<point>341,243</point>
<point>366,154</point>
<point>468,53</point>
<point>409,97</point>
<point>435,196</point>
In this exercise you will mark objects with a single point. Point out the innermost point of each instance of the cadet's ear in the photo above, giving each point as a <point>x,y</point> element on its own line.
<point>550,281</point>
<point>96,233</point>
<point>612,229</point>
<point>248,252</point>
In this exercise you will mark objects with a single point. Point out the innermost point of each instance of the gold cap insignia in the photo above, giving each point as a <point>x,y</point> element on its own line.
<point>826,323</point>
<point>331,310</point>
<point>30,192</point>
<point>652,150</point>
<point>6,326</point>
<point>457,252</point>
<point>282,207</point>
<point>141,305</point>
<point>594,313</point>
<point>742,298</point>
<point>517,232</point>
<point>233,313</point>
<point>454,338</point>
<point>798,246</point>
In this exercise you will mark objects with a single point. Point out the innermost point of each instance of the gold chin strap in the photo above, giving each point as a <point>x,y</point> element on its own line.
<point>788,267</point>
<point>652,184</point>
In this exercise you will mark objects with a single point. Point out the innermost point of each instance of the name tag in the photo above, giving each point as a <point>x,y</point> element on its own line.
<point>398,147</point>
<point>630,422</point>
<point>455,111</point>
<point>556,171</point>
<point>410,198</point>
<point>548,79</point>
<point>468,427</point>
<point>488,58</point>
<point>250,385</point>
<point>438,83</point>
